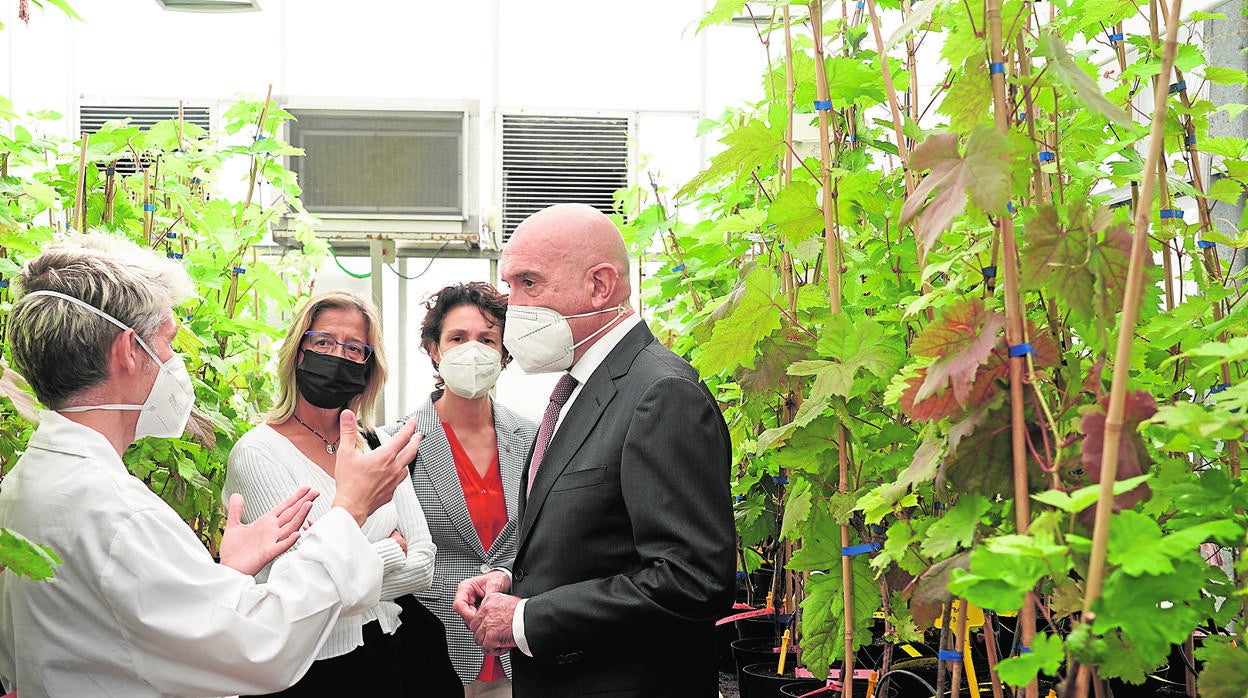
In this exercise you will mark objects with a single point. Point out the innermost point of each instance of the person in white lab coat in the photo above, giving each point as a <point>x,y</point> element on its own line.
<point>139,607</point>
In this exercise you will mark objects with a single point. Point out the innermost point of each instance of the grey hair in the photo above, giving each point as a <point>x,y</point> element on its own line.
<point>62,348</point>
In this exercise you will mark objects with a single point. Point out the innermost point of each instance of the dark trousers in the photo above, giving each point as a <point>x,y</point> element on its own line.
<point>376,668</point>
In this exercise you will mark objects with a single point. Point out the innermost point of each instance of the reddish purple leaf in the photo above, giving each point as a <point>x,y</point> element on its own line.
<point>1133,458</point>
<point>961,339</point>
<point>983,173</point>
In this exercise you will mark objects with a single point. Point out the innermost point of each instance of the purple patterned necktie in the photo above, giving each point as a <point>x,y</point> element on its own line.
<point>558,398</point>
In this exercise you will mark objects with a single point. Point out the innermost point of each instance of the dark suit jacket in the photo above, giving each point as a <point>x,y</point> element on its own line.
<point>626,543</point>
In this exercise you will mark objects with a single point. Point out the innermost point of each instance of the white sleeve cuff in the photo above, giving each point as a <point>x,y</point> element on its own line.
<point>392,556</point>
<point>517,626</point>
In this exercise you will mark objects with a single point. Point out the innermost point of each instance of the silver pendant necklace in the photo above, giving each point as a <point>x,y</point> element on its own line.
<point>330,446</point>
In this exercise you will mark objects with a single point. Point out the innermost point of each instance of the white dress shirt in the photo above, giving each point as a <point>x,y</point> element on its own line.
<point>139,608</point>
<point>582,371</point>
<point>265,467</point>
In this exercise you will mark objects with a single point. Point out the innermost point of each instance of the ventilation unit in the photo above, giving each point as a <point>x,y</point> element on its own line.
<point>92,117</point>
<point>393,173</point>
<point>561,159</point>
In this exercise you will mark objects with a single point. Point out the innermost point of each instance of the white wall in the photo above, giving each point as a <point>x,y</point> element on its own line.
<point>640,59</point>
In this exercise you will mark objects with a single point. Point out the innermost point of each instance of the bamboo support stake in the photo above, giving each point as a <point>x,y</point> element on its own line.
<point>80,212</point>
<point>674,247</point>
<point>1209,254</point>
<point>1126,334</point>
<point>110,191</point>
<point>1014,333</point>
<point>990,644</point>
<point>231,293</point>
<point>148,213</point>
<point>832,252</point>
<point>788,281</point>
<point>959,638</point>
<point>832,249</point>
<point>789,288</point>
<point>255,160</point>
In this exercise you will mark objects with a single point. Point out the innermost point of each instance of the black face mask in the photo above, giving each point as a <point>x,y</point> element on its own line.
<point>329,381</point>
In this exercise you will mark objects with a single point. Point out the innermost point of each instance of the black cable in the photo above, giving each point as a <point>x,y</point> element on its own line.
<point>427,266</point>
<point>912,675</point>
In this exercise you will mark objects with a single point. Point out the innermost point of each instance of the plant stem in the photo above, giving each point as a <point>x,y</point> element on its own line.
<point>1126,332</point>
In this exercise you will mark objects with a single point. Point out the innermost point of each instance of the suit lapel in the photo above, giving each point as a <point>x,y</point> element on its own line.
<point>579,422</point>
<point>512,452</point>
<point>435,448</point>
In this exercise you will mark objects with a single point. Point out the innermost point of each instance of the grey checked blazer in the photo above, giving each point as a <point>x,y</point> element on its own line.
<point>460,554</point>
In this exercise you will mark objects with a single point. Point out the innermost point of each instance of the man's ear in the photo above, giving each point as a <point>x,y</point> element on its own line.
<point>126,357</point>
<point>605,280</point>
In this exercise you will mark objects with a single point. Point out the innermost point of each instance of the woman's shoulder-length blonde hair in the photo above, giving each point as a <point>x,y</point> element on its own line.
<point>363,405</point>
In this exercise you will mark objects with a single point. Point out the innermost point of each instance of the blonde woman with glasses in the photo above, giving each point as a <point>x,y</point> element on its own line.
<point>332,360</point>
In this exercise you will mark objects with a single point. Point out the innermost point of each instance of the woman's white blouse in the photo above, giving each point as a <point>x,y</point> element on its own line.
<point>266,468</point>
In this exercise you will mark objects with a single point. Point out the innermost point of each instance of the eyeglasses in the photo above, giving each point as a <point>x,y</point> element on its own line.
<point>323,343</point>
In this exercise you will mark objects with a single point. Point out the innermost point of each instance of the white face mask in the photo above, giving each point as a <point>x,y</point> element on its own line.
<point>470,369</point>
<point>541,339</point>
<point>168,406</point>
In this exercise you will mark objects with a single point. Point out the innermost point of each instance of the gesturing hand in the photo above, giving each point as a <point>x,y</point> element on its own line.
<point>366,481</point>
<point>249,547</point>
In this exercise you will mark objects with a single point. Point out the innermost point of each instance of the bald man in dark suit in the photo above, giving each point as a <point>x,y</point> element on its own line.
<point>625,555</point>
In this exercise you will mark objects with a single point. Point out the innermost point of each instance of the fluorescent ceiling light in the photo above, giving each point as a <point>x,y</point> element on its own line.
<point>210,5</point>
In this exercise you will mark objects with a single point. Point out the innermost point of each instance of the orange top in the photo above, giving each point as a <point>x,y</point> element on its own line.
<point>488,508</point>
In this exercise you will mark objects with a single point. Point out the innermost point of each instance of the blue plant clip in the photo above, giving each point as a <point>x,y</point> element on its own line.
<point>861,548</point>
<point>949,656</point>
<point>1046,156</point>
<point>678,267</point>
<point>1205,244</point>
<point>990,272</point>
<point>780,479</point>
<point>1021,350</point>
<point>823,105</point>
<point>1172,213</point>
<point>1180,86</point>
<point>149,207</point>
<point>996,68</point>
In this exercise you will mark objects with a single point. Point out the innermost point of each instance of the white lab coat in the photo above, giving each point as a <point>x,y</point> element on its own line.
<point>139,608</point>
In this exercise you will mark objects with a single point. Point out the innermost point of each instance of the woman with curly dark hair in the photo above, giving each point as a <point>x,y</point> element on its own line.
<point>467,473</point>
